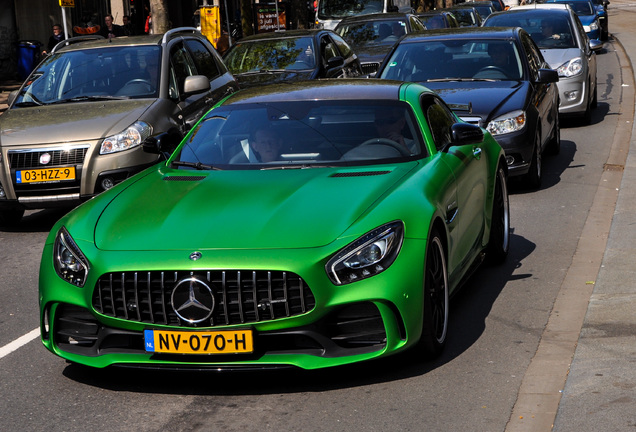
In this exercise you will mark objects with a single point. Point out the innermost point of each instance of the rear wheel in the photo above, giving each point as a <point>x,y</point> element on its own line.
<point>499,242</point>
<point>435,307</point>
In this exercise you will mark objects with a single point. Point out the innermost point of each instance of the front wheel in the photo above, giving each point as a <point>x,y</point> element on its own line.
<point>435,307</point>
<point>499,242</point>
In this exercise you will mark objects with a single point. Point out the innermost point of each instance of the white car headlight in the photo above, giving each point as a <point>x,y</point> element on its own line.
<point>509,122</point>
<point>593,26</point>
<point>68,260</point>
<point>133,136</point>
<point>369,255</point>
<point>571,68</point>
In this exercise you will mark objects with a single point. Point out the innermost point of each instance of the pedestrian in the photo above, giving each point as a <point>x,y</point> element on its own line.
<point>55,38</point>
<point>110,30</point>
<point>148,27</point>
<point>127,28</point>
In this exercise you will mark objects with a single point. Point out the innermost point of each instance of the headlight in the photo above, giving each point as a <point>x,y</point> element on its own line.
<point>131,137</point>
<point>369,255</point>
<point>69,261</point>
<point>510,122</point>
<point>571,68</point>
<point>593,26</point>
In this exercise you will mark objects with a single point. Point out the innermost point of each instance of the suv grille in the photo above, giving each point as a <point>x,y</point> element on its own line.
<point>240,296</point>
<point>370,68</point>
<point>31,159</point>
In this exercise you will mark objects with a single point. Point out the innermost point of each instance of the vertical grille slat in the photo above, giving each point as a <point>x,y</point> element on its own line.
<point>241,296</point>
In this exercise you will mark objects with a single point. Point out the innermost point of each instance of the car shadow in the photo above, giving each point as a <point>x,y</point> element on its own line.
<point>469,310</point>
<point>36,221</point>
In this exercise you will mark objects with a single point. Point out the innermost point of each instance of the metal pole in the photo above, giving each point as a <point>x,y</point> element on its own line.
<point>64,21</point>
<point>277,19</point>
<point>227,24</point>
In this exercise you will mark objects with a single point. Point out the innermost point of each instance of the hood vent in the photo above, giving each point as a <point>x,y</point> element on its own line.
<point>184,178</point>
<point>359,173</point>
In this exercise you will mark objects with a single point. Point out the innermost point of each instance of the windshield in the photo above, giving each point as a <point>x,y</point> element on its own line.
<point>105,73</point>
<point>274,54</point>
<point>455,60</point>
<point>338,9</point>
<point>302,134</point>
<point>385,32</point>
<point>466,18</point>
<point>548,29</point>
<point>579,7</point>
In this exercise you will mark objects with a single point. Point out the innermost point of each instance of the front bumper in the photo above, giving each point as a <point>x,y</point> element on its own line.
<point>573,94</point>
<point>371,318</point>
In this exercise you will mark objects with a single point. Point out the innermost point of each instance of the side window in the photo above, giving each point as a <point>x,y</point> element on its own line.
<point>534,61</point>
<point>536,53</point>
<point>417,25</point>
<point>440,119</point>
<point>328,49</point>
<point>345,50</point>
<point>181,67</point>
<point>203,59</point>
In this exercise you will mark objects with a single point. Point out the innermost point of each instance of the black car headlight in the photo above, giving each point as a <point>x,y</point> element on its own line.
<point>369,255</point>
<point>133,136</point>
<point>69,261</point>
<point>507,123</point>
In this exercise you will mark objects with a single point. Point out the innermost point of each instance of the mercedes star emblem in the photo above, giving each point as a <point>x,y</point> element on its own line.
<point>192,300</point>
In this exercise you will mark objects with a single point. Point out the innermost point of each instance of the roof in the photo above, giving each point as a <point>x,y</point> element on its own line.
<point>341,89</point>
<point>463,33</point>
<point>540,6</point>
<point>283,34</point>
<point>376,17</point>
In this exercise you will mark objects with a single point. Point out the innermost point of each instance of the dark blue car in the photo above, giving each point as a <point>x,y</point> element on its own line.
<point>493,77</point>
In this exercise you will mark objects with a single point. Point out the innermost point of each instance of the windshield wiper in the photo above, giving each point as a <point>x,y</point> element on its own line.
<point>196,165</point>
<point>265,71</point>
<point>27,104</point>
<point>89,98</point>
<point>461,79</point>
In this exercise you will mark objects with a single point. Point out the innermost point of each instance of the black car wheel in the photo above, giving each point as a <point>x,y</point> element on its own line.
<point>435,314</point>
<point>587,115</point>
<point>10,216</point>
<point>499,242</point>
<point>533,178</point>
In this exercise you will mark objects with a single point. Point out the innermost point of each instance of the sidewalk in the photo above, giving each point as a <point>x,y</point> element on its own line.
<point>600,392</point>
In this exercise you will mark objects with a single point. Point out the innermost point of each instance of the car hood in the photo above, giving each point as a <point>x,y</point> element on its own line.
<point>69,122</point>
<point>587,19</point>
<point>556,57</point>
<point>255,209</point>
<point>257,79</point>
<point>488,99</point>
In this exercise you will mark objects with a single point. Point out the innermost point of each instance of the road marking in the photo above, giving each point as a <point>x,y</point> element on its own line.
<point>22,340</point>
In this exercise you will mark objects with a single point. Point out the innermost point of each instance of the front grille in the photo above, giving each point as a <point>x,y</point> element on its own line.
<point>31,159</point>
<point>240,296</point>
<point>370,68</point>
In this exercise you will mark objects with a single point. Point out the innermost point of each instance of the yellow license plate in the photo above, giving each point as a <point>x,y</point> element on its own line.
<point>46,175</point>
<point>188,342</point>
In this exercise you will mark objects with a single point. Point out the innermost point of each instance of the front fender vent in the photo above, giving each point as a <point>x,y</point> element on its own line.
<point>359,173</point>
<point>184,178</point>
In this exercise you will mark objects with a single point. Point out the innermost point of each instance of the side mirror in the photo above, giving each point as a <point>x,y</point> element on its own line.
<point>465,134</point>
<point>595,44</point>
<point>548,76</point>
<point>335,62</point>
<point>12,96</point>
<point>195,84</point>
<point>164,143</point>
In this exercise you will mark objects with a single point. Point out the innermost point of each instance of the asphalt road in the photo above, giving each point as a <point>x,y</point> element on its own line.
<point>496,329</point>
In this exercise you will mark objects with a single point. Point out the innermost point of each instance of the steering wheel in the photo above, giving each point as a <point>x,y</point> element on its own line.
<point>389,143</point>
<point>491,72</point>
<point>139,81</point>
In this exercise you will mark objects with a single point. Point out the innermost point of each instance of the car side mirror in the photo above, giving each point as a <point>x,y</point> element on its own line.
<point>547,76</point>
<point>195,84</point>
<point>595,44</point>
<point>465,134</point>
<point>335,62</point>
<point>12,96</point>
<point>163,144</point>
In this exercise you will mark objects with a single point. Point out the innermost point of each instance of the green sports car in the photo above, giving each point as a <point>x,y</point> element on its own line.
<point>297,225</point>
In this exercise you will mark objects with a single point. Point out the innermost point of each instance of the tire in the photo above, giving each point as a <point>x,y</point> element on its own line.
<point>554,145</point>
<point>499,241</point>
<point>595,97</point>
<point>435,307</point>
<point>533,178</point>
<point>11,216</point>
<point>587,115</point>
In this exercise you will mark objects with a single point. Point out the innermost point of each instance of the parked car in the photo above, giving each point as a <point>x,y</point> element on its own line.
<point>290,56</point>
<point>497,5</point>
<point>565,47</point>
<point>495,78</point>
<point>594,19</point>
<point>603,17</point>
<point>438,19</point>
<point>484,8</point>
<point>345,247</point>
<point>75,127</point>
<point>372,36</point>
<point>467,15</point>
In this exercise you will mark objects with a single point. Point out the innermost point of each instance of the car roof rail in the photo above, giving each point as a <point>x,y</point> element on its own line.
<point>173,32</point>
<point>75,39</point>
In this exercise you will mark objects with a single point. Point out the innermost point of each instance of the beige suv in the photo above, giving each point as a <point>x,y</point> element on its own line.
<point>75,127</point>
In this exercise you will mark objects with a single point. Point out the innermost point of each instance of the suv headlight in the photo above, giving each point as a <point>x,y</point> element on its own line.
<point>131,137</point>
<point>509,122</point>
<point>369,255</point>
<point>68,260</point>
<point>571,68</point>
